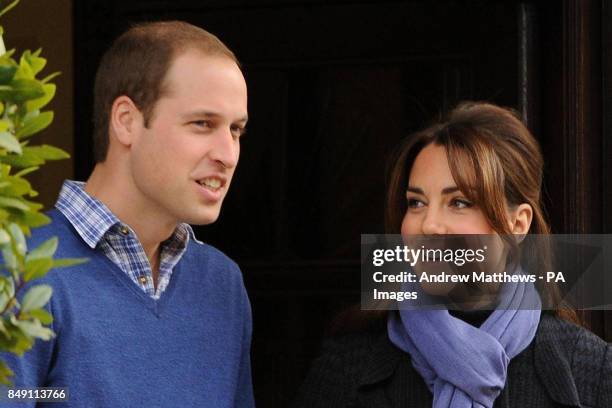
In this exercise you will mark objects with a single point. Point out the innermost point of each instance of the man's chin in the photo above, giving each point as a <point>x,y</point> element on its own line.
<point>203,219</point>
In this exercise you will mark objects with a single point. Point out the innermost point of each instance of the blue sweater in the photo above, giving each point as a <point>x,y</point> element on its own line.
<point>117,347</point>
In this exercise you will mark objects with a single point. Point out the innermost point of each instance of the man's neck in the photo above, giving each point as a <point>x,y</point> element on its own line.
<point>122,198</point>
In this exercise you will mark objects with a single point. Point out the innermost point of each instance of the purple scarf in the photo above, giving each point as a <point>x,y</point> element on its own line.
<point>462,365</point>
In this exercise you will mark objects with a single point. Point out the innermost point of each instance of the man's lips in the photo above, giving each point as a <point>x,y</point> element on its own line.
<point>213,182</point>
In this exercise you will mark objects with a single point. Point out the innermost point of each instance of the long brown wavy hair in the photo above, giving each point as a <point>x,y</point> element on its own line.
<point>498,165</point>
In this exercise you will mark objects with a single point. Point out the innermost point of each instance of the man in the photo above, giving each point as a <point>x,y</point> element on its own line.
<point>155,318</point>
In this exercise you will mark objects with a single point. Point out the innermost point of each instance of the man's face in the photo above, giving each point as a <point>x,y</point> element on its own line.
<point>183,163</point>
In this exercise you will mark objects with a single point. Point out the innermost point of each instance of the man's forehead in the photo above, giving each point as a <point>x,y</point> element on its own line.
<point>188,67</point>
<point>191,56</point>
<point>191,71</point>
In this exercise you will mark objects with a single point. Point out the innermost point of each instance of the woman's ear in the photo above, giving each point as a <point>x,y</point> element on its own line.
<point>520,219</point>
<point>124,120</point>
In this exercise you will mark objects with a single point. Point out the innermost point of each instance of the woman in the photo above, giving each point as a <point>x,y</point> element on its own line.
<point>477,172</point>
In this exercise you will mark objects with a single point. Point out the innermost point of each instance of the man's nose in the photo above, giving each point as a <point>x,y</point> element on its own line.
<point>433,223</point>
<point>225,149</point>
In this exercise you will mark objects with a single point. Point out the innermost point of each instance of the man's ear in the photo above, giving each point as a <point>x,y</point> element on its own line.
<point>125,119</point>
<point>520,220</point>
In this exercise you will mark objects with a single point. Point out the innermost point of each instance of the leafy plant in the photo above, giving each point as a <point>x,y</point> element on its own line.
<point>23,96</point>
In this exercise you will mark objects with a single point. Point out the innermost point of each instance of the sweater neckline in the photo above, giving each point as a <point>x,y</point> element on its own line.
<point>155,306</point>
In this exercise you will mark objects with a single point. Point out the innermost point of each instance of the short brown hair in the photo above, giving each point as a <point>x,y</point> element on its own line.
<point>497,164</point>
<point>136,65</point>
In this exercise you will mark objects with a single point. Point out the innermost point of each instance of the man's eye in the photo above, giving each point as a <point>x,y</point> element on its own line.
<point>200,123</point>
<point>238,131</point>
<point>461,203</point>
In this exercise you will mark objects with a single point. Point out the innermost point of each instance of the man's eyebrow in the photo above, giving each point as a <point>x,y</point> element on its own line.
<point>211,114</point>
<point>445,190</point>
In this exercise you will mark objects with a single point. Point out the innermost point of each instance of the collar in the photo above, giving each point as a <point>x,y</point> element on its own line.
<point>88,215</point>
<point>92,219</point>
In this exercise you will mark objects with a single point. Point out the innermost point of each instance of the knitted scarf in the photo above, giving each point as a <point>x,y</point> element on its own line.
<point>466,366</point>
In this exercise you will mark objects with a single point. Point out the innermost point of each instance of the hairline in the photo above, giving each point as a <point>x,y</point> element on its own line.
<point>177,52</point>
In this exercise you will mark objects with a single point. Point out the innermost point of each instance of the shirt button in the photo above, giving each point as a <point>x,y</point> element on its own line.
<point>124,230</point>
<point>142,279</point>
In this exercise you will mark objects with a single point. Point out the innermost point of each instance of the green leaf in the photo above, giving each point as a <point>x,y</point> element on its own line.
<point>3,330</point>
<point>42,315</point>
<point>10,202</point>
<point>35,219</point>
<point>5,125</point>
<point>9,7</point>
<point>10,142</point>
<point>37,268</point>
<point>35,62</point>
<point>5,374</point>
<point>36,297</point>
<point>34,156</point>
<point>18,341</point>
<point>17,187</point>
<point>34,329</point>
<point>21,90</point>
<point>44,250</point>
<point>26,171</point>
<point>4,215</point>
<point>39,103</point>
<point>3,300</point>
<point>9,258</point>
<point>5,238</point>
<point>50,77</point>
<point>47,152</point>
<point>62,263</point>
<point>8,67</point>
<point>8,286</point>
<point>35,124</point>
<point>34,206</point>
<point>28,158</point>
<point>25,70</point>
<point>10,52</point>
<point>18,238</point>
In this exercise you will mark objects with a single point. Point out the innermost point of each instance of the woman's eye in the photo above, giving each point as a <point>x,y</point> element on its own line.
<point>461,203</point>
<point>415,203</point>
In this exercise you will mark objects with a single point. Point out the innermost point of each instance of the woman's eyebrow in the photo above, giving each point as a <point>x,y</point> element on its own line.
<point>445,190</point>
<point>415,190</point>
<point>450,190</point>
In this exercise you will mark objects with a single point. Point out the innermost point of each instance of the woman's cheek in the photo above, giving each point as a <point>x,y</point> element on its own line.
<point>410,225</point>
<point>472,224</point>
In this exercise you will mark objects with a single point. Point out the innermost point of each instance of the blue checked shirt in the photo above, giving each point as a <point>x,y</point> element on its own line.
<point>98,226</point>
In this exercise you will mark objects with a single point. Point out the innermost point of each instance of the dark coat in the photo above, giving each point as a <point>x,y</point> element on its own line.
<point>565,365</point>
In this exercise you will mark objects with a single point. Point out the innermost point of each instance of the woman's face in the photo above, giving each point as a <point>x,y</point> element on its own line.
<point>435,204</point>
<point>437,207</point>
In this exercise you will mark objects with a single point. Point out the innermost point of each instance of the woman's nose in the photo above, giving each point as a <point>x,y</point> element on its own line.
<point>433,223</point>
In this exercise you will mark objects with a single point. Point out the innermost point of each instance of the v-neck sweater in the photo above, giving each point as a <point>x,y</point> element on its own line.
<point>117,347</point>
